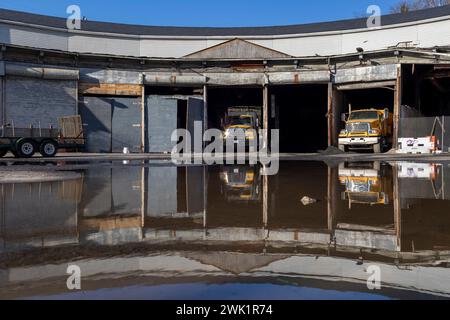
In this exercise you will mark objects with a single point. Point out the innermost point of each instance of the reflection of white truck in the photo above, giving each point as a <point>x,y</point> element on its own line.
<point>25,142</point>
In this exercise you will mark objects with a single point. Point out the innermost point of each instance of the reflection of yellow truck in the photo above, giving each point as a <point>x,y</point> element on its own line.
<point>365,185</point>
<point>367,129</point>
<point>241,183</point>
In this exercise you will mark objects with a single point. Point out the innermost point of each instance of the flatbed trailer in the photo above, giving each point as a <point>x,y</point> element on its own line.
<point>25,142</point>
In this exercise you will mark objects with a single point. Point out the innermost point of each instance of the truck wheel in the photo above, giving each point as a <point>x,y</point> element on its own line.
<point>25,148</point>
<point>48,148</point>
<point>377,148</point>
<point>3,152</point>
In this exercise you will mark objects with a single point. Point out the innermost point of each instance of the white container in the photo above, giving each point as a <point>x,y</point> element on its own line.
<point>126,150</point>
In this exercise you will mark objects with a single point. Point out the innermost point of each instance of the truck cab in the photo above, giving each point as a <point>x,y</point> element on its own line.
<point>241,122</point>
<point>367,129</point>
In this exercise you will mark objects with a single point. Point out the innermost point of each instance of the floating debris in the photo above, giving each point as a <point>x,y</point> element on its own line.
<point>308,200</point>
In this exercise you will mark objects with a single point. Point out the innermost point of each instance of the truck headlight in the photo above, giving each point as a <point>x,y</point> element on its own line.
<point>374,131</point>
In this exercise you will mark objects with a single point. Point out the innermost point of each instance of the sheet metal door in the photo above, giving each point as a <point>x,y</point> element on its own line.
<point>162,191</point>
<point>196,112</point>
<point>96,115</point>
<point>161,122</point>
<point>126,124</point>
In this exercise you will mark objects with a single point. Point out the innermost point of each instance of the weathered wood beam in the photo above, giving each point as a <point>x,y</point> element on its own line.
<point>110,89</point>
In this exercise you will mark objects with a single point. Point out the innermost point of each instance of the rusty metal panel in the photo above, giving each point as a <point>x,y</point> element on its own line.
<point>161,122</point>
<point>367,74</point>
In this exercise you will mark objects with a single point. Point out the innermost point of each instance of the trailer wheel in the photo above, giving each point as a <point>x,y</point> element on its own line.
<point>25,148</point>
<point>3,152</point>
<point>48,148</point>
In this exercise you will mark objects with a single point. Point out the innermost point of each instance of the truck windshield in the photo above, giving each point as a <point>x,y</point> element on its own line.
<point>364,115</point>
<point>241,121</point>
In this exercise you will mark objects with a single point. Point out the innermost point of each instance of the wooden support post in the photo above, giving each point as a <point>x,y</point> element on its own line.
<point>397,106</point>
<point>266,115</point>
<point>205,108</point>
<point>330,116</point>
<point>143,119</point>
<point>397,208</point>
<point>330,200</point>
<point>265,200</point>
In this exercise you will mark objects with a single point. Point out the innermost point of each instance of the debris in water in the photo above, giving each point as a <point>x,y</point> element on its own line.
<point>308,200</point>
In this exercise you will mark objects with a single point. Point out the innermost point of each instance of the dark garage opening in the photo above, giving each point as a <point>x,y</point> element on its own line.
<point>426,90</point>
<point>220,99</point>
<point>375,98</point>
<point>299,111</point>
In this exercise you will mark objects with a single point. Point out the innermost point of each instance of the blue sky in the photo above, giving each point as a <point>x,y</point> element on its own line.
<point>204,12</point>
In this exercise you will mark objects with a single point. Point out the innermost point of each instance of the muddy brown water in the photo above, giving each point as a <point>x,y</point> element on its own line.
<point>140,230</point>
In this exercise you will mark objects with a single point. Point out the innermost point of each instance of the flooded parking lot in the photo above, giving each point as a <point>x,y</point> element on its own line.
<point>153,230</point>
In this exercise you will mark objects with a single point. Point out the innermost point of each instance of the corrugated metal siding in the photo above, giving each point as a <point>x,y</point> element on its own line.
<point>162,191</point>
<point>96,116</point>
<point>162,121</point>
<point>30,101</point>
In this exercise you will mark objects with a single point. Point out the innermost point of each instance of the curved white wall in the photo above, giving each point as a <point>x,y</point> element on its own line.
<point>425,33</point>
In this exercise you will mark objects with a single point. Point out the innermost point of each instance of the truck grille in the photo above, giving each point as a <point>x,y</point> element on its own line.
<point>357,127</point>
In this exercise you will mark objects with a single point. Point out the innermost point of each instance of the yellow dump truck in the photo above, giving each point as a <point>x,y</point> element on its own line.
<point>240,121</point>
<point>368,129</point>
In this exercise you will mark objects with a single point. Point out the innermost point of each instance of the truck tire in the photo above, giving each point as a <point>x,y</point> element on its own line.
<point>3,152</point>
<point>377,148</point>
<point>25,148</point>
<point>48,148</point>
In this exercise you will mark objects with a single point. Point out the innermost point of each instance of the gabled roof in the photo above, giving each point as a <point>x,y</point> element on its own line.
<point>237,49</point>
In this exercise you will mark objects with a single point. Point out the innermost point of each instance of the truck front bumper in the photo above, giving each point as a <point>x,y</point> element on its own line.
<point>359,141</point>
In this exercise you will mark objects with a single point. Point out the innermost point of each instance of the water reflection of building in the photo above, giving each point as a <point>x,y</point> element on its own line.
<point>182,207</point>
<point>40,213</point>
<point>361,206</point>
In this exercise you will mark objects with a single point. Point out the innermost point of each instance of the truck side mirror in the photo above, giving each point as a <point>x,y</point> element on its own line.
<point>343,117</point>
<point>386,114</point>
